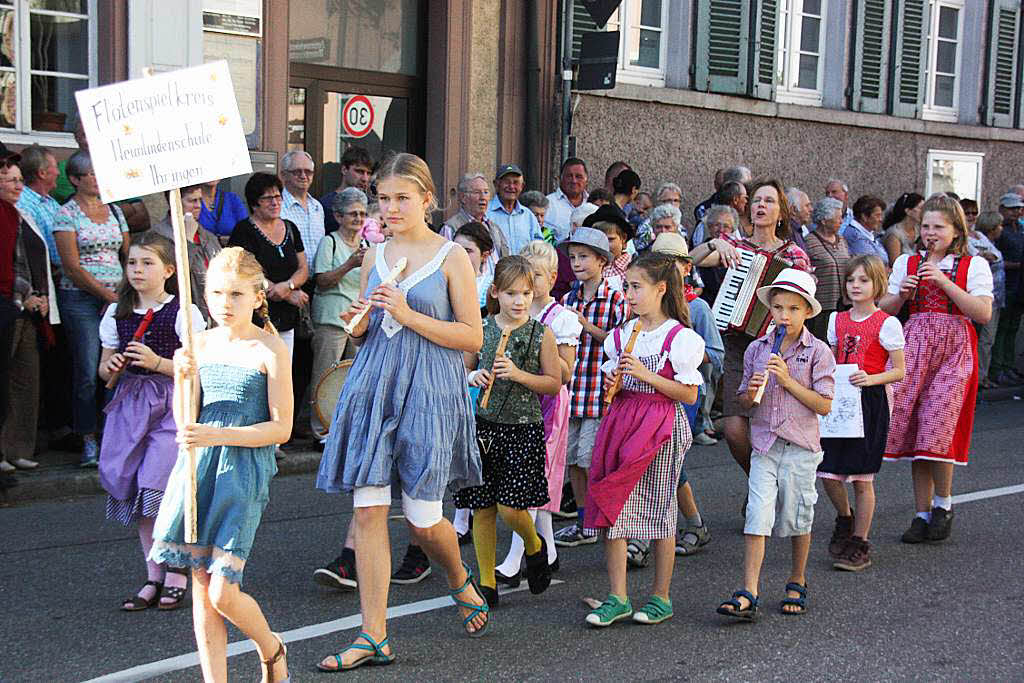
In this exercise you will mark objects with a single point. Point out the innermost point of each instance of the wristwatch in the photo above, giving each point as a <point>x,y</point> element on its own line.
<point>291,285</point>
<point>712,246</point>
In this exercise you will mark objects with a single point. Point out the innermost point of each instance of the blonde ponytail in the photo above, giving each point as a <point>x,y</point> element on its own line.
<point>244,265</point>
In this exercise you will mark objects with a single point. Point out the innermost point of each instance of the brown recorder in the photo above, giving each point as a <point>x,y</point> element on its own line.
<point>614,388</point>
<point>502,343</point>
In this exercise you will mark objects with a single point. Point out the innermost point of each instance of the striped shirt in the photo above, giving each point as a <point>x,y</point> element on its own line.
<point>607,310</point>
<point>308,219</point>
<point>829,262</point>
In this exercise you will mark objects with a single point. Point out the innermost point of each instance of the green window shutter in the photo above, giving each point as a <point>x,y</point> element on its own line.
<point>767,34</point>
<point>722,46</point>
<point>911,58</point>
<point>1004,42</point>
<point>581,23</point>
<point>871,56</point>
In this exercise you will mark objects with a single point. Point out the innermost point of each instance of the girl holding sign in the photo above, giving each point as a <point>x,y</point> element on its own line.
<point>246,386</point>
<point>933,415</point>
<point>871,338</point>
<point>404,413</point>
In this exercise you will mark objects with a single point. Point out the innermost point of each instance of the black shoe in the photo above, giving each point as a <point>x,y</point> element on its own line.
<point>466,538</point>
<point>490,595</point>
<point>339,573</point>
<point>941,524</point>
<point>554,566</point>
<point>415,567</point>
<point>538,572</point>
<point>510,581</point>
<point>917,532</point>
<point>568,508</point>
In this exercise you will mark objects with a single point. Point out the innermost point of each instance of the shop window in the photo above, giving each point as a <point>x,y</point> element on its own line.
<point>47,53</point>
<point>799,60</point>
<point>942,78</point>
<point>958,172</point>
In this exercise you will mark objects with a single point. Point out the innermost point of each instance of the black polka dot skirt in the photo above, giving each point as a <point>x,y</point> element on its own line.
<point>513,457</point>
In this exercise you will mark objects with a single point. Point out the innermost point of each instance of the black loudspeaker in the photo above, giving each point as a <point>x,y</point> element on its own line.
<point>599,58</point>
<point>601,10</point>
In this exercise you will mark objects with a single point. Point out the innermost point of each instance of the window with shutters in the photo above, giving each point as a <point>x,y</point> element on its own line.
<point>1003,84</point>
<point>954,171</point>
<point>722,46</point>
<point>642,43</point>
<point>799,54</point>
<point>942,78</point>
<point>47,52</point>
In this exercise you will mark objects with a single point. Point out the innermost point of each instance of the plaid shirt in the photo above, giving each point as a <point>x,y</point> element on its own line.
<point>606,311</point>
<point>43,210</point>
<point>618,267</point>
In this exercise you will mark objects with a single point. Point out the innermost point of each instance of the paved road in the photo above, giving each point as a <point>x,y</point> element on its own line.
<point>947,612</point>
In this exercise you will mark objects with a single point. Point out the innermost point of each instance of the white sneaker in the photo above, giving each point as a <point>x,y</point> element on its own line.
<point>25,464</point>
<point>702,439</point>
<point>6,467</point>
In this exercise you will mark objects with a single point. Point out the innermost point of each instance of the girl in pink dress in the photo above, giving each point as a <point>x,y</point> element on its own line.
<point>567,329</point>
<point>644,436</point>
<point>933,407</point>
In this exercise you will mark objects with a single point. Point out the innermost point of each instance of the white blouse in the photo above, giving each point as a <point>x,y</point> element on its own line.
<point>565,325</point>
<point>979,274</point>
<point>890,336</point>
<point>686,352</point>
<point>108,326</point>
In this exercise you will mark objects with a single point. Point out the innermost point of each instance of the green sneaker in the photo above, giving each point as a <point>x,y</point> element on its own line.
<point>611,610</point>
<point>655,611</point>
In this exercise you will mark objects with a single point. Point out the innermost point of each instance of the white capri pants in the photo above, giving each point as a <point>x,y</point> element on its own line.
<point>422,514</point>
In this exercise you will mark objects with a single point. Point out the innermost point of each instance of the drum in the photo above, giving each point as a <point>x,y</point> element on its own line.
<point>328,389</point>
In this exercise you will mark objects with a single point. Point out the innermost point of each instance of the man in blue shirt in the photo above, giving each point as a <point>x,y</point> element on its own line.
<point>515,220</point>
<point>39,167</point>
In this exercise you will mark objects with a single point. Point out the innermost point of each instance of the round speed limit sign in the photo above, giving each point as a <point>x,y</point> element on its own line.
<point>357,116</point>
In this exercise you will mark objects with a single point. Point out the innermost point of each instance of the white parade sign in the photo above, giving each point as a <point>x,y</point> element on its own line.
<point>357,116</point>
<point>164,132</point>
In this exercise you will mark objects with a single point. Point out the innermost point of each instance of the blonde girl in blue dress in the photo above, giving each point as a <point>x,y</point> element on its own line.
<point>404,414</point>
<point>246,380</point>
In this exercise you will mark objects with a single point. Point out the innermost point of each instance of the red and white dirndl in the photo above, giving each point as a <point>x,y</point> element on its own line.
<point>933,407</point>
<point>638,457</point>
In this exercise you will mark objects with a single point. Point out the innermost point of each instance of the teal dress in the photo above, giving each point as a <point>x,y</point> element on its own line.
<point>233,481</point>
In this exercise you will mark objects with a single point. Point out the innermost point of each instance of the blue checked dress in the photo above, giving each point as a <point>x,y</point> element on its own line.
<point>404,414</point>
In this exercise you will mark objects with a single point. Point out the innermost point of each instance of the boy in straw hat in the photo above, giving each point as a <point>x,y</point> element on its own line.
<point>796,370</point>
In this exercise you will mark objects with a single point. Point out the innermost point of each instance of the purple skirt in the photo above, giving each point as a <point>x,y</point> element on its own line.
<point>139,447</point>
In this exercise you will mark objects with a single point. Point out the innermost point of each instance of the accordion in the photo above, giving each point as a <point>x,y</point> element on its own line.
<point>737,307</point>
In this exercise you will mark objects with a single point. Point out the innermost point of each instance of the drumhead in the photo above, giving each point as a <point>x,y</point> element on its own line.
<point>325,398</point>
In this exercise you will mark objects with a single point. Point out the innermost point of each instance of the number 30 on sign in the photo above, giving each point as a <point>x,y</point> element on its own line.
<point>357,116</point>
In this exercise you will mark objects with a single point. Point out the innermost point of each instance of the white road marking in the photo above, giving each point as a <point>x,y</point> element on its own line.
<point>186,661</point>
<point>988,493</point>
<point>144,671</point>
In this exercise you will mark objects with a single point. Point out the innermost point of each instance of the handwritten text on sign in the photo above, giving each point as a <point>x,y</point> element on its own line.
<point>154,134</point>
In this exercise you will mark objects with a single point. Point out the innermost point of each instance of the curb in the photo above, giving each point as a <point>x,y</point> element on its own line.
<point>68,481</point>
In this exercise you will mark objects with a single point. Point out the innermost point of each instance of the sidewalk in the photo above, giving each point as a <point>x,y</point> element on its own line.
<point>60,477</point>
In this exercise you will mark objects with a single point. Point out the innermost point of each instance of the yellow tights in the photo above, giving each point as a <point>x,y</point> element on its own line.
<point>485,537</point>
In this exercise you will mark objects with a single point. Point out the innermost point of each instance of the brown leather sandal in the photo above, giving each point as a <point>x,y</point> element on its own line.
<point>268,664</point>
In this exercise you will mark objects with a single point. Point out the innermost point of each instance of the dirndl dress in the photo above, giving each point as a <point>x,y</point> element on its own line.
<point>933,407</point>
<point>233,481</point>
<point>638,457</point>
<point>404,414</point>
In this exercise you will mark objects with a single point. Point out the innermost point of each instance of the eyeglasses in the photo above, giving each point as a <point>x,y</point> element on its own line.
<point>270,199</point>
<point>477,193</point>
<point>307,172</point>
<point>351,214</point>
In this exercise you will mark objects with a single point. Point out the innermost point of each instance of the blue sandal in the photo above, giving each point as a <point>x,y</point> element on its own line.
<point>483,609</point>
<point>737,611</point>
<point>378,658</point>
<point>800,602</point>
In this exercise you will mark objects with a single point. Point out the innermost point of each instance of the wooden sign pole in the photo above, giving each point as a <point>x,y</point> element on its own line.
<point>188,390</point>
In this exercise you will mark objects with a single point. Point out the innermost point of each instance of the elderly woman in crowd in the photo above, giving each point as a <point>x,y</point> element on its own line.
<point>336,271</point>
<point>829,253</point>
<point>668,194</point>
<point>276,244</point>
<point>202,245</point>
<point>863,234</point>
<point>33,293</point>
<point>537,203</point>
<point>91,238</point>
<point>719,219</point>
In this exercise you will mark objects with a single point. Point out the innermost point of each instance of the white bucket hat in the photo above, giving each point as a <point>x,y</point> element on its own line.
<point>796,281</point>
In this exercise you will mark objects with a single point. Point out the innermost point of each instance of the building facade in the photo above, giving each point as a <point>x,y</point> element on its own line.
<point>888,95</point>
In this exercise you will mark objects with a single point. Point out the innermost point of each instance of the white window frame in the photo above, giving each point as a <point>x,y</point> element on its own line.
<point>639,75</point>
<point>787,56</point>
<point>22,133</point>
<point>929,110</point>
<point>934,155</point>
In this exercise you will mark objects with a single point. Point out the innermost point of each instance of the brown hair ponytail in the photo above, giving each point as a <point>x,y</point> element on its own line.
<point>657,268</point>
